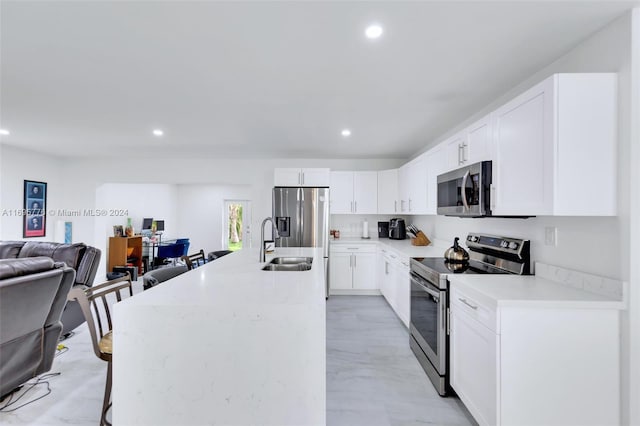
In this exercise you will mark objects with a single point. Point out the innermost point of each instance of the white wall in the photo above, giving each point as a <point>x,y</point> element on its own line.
<point>16,166</point>
<point>1,150</point>
<point>634,229</point>
<point>137,201</point>
<point>201,213</point>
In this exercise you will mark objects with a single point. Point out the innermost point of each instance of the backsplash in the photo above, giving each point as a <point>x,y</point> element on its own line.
<point>350,225</point>
<point>591,283</point>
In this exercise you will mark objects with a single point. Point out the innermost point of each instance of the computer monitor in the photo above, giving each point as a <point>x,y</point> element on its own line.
<point>159,225</point>
<point>146,222</point>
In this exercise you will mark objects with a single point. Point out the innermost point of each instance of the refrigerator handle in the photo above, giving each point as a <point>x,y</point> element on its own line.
<point>300,215</point>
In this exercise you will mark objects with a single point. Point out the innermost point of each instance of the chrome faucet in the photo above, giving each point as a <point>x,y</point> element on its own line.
<point>273,226</point>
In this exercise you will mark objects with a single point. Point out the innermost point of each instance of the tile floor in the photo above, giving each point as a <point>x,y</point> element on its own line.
<point>372,376</point>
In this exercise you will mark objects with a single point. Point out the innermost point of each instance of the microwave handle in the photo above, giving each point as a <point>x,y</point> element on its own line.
<point>463,190</point>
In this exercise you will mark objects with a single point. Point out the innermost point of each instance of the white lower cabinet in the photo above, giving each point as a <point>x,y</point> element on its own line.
<point>394,283</point>
<point>403,291</point>
<point>340,274</point>
<point>352,268</point>
<point>473,359</point>
<point>545,364</point>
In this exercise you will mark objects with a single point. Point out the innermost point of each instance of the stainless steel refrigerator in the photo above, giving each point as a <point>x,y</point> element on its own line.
<point>302,220</point>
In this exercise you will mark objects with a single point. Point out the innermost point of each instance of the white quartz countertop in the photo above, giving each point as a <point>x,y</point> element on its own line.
<point>529,291</point>
<point>403,247</point>
<point>226,343</point>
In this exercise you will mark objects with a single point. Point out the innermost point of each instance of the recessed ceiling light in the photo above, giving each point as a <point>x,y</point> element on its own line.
<point>4,132</point>
<point>346,132</point>
<point>158,132</point>
<point>374,31</point>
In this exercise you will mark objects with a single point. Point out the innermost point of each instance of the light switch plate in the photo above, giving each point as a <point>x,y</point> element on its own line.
<point>551,236</point>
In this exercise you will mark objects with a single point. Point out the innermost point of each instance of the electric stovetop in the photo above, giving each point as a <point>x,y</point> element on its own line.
<point>441,266</point>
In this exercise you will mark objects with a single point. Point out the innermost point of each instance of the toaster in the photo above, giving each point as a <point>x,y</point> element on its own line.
<point>397,229</point>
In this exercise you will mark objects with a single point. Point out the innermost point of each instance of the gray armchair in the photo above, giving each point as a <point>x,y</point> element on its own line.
<point>33,294</point>
<point>82,258</point>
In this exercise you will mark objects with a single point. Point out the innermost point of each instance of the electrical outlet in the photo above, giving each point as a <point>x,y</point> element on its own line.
<point>551,236</point>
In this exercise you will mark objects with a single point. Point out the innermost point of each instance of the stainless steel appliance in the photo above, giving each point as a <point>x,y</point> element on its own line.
<point>302,219</point>
<point>466,191</point>
<point>397,229</point>
<point>429,323</point>
<point>383,229</point>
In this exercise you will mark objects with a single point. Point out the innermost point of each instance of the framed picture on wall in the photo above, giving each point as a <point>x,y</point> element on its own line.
<point>35,206</point>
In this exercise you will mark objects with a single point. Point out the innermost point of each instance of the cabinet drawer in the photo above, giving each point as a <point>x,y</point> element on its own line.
<point>352,248</point>
<point>462,302</point>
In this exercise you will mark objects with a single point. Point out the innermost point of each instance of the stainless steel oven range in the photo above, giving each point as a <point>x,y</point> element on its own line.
<point>429,325</point>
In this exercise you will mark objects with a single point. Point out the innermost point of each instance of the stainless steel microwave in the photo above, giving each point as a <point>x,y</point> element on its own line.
<point>466,191</point>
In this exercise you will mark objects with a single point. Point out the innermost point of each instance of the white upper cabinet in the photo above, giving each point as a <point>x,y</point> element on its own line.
<point>341,193</point>
<point>403,188</point>
<point>478,146</point>
<point>454,147</point>
<point>436,164</point>
<point>388,192</point>
<point>301,177</point>
<point>365,192</point>
<point>354,192</point>
<point>555,148</point>
<point>412,186</point>
<point>469,146</point>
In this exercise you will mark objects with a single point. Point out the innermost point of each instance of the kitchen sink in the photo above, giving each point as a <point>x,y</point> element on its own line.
<point>291,260</point>
<point>287,267</point>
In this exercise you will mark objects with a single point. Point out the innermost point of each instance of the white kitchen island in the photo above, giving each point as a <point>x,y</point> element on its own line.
<point>226,343</point>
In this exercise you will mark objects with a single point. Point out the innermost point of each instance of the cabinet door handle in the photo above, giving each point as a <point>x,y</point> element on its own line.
<point>299,178</point>
<point>355,261</point>
<point>355,207</point>
<point>409,204</point>
<point>492,201</point>
<point>386,268</point>
<point>395,206</point>
<point>467,303</point>
<point>302,178</point>
<point>352,207</point>
<point>353,248</point>
<point>401,205</point>
<point>459,154</point>
<point>464,152</point>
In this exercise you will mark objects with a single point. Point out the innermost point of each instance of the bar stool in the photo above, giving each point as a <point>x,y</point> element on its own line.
<point>100,298</point>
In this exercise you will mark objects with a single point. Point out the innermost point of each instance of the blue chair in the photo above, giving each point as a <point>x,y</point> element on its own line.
<point>170,251</point>
<point>186,243</point>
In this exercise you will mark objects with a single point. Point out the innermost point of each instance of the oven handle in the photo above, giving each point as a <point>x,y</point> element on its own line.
<point>464,190</point>
<point>425,288</point>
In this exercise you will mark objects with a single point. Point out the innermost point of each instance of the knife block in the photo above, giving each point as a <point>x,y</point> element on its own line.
<point>420,240</point>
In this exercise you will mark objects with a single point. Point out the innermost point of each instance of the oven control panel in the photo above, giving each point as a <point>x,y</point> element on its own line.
<point>504,244</point>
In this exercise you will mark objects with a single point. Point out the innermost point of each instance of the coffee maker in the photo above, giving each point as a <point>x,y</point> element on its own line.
<point>383,229</point>
<point>397,229</point>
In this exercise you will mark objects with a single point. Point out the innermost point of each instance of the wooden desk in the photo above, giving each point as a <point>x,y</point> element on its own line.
<point>118,248</point>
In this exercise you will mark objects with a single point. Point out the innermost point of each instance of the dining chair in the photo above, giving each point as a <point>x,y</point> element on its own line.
<point>95,303</point>
<point>194,260</point>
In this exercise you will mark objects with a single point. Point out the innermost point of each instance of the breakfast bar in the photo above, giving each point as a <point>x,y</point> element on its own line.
<point>226,343</point>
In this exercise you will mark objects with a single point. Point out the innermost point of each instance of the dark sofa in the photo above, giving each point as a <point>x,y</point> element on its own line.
<point>82,258</point>
<point>33,293</point>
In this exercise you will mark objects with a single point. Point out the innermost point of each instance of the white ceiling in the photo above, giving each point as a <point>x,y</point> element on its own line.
<point>268,79</point>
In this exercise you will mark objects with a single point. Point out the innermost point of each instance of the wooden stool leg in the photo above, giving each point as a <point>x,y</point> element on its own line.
<point>106,404</point>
